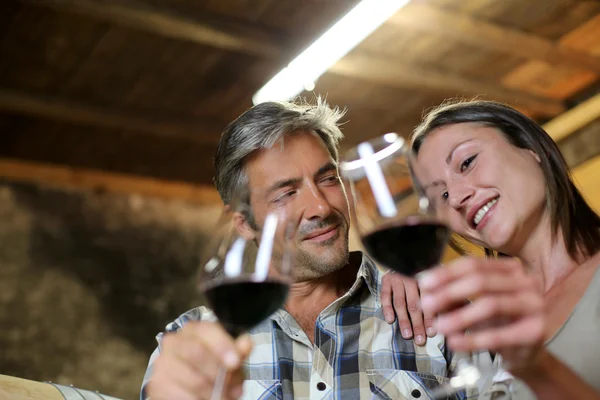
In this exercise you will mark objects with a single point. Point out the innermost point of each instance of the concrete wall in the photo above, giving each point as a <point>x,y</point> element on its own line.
<point>88,279</point>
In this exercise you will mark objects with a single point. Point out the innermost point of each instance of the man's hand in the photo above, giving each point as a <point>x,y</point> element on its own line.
<point>505,314</point>
<point>400,297</point>
<point>191,359</point>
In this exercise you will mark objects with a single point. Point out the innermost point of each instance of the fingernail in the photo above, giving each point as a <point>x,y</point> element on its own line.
<point>431,332</point>
<point>420,340</point>
<point>406,333</point>
<point>425,279</point>
<point>388,318</point>
<point>231,359</point>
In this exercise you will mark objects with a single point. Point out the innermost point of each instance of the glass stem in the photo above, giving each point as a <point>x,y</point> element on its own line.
<point>219,382</point>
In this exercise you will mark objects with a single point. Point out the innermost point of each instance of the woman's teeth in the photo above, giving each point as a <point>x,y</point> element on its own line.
<point>482,211</point>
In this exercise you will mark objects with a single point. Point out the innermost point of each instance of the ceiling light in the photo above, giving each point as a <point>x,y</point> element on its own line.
<point>334,44</point>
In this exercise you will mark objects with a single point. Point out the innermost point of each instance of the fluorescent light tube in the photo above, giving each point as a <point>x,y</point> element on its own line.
<point>334,44</point>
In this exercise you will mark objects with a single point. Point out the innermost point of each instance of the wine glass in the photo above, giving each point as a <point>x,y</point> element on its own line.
<point>247,275</point>
<point>397,222</point>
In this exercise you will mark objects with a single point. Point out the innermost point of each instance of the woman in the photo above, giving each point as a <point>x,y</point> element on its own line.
<point>503,185</point>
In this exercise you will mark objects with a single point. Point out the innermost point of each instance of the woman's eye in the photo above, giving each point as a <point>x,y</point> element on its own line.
<point>465,164</point>
<point>445,196</point>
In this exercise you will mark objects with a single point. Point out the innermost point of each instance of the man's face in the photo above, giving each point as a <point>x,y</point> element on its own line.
<point>300,178</point>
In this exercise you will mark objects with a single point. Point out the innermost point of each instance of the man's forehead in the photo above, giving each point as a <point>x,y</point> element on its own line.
<point>263,172</point>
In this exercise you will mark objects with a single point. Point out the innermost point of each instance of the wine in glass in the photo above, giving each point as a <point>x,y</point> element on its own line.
<point>396,221</point>
<point>247,277</point>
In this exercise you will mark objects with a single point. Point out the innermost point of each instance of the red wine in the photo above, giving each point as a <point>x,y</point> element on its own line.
<point>408,249</point>
<point>242,304</point>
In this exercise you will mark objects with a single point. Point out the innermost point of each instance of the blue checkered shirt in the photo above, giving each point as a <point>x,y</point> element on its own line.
<point>356,354</point>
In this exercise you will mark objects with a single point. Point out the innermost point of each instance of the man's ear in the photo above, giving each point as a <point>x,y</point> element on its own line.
<point>240,222</point>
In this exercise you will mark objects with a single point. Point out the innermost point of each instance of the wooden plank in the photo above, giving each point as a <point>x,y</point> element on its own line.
<point>87,179</point>
<point>13,388</point>
<point>52,108</point>
<point>209,31</point>
<point>477,32</point>
<point>397,74</point>
<point>574,119</point>
<point>585,38</point>
<point>546,80</point>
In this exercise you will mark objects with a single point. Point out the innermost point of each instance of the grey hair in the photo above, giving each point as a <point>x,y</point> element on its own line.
<point>261,127</point>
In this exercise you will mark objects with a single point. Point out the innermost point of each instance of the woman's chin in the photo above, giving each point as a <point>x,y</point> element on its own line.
<point>495,239</point>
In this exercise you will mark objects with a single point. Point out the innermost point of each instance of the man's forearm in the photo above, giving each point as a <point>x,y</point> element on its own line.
<point>551,379</point>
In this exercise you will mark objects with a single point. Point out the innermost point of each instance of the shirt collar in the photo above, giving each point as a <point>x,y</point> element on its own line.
<point>368,273</point>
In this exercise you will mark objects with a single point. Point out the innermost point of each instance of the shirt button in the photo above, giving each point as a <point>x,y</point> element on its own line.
<point>321,386</point>
<point>416,393</point>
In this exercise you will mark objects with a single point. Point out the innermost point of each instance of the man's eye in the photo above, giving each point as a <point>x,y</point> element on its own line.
<point>284,196</point>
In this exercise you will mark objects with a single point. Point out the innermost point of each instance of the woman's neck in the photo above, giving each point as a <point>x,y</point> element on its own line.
<point>546,255</point>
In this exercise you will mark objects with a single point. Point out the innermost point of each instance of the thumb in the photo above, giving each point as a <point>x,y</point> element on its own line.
<point>244,345</point>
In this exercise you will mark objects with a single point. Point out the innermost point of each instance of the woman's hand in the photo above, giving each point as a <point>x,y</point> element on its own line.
<point>505,313</point>
<point>400,297</point>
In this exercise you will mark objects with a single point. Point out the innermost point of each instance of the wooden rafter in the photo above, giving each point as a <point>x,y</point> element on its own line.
<point>404,75</point>
<point>574,119</point>
<point>222,34</point>
<point>51,108</point>
<point>251,40</point>
<point>86,179</point>
<point>484,34</point>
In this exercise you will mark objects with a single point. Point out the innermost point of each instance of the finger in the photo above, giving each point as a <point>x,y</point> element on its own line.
<point>170,375</point>
<point>217,341</point>
<point>485,310</point>
<point>168,391</point>
<point>235,384</point>
<point>428,320</point>
<point>399,308</point>
<point>188,350</point>
<point>525,332</point>
<point>477,284</point>
<point>413,305</point>
<point>438,277</point>
<point>386,297</point>
<point>244,346</point>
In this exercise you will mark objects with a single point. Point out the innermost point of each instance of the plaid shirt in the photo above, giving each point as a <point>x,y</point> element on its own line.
<point>356,354</point>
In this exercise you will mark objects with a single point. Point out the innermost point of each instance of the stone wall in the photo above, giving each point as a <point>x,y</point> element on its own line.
<point>88,279</point>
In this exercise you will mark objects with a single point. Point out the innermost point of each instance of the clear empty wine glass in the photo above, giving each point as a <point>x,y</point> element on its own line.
<point>247,273</point>
<point>397,222</point>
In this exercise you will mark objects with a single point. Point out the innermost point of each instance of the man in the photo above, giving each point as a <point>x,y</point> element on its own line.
<point>331,340</point>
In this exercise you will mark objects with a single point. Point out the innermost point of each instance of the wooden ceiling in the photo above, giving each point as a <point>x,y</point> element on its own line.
<point>144,89</point>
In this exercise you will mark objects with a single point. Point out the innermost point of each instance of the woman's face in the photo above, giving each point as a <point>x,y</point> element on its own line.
<point>485,189</point>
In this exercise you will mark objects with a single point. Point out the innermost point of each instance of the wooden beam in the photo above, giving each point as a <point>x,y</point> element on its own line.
<point>86,179</point>
<point>208,31</point>
<point>56,109</point>
<point>587,178</point>
<point>582,145</point>
<point>574,119</point>
<point>480,33</point>
<point>394,73</point>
